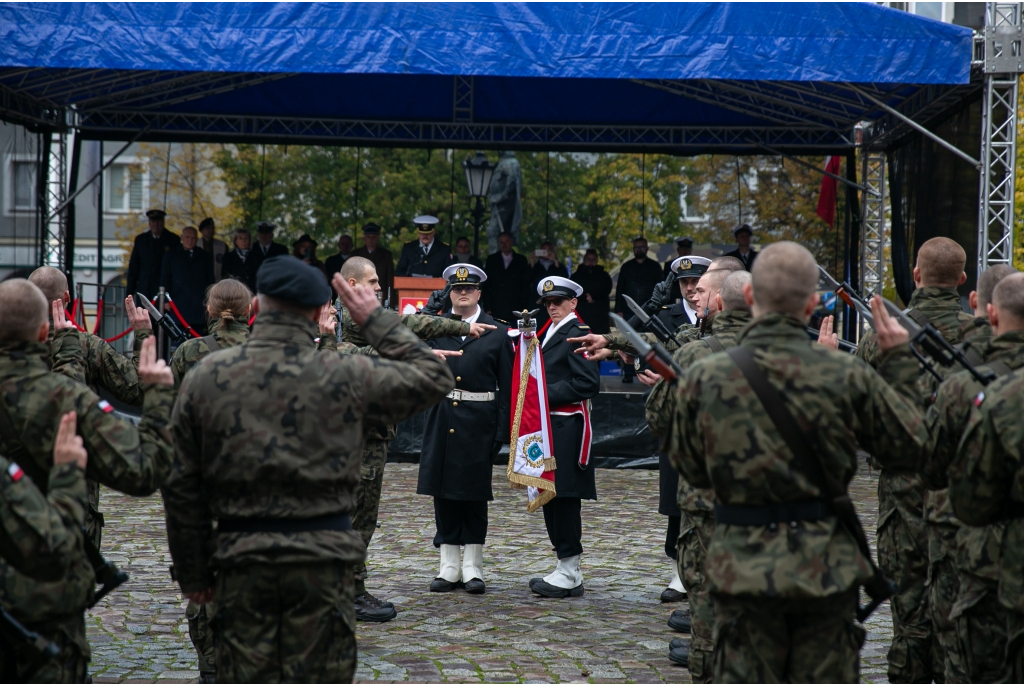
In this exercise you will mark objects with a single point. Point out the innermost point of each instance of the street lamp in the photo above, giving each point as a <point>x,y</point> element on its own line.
<point>478,180</point>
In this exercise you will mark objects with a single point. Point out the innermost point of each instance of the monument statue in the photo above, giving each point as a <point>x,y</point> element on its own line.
<point>504,196</point>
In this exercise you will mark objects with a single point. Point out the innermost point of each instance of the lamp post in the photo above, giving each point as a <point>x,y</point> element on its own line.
<point>478,180</point>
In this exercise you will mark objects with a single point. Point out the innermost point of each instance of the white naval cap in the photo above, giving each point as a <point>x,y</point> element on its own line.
<point>690,266</point>
<point>556,286</point>
<point>464,273</point>
<point>425,223</point>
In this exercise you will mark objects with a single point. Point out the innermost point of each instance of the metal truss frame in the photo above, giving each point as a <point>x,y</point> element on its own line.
<point>1003,63</point>
<point>54,228</point>
<point>874,229</point>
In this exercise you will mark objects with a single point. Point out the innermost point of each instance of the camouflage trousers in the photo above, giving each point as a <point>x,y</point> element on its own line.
<point>914,656</point>
<point>21,664</point>
<point>200,631</point>
<point>371,481</point>
<point>93,517</point>
<point>690,556</point>
<point>285,623</point>
<point>990,636</point>
<point>943,588</point>
<point>768,640</point>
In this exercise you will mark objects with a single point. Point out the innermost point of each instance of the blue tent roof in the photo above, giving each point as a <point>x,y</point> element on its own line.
<point>678,77</point>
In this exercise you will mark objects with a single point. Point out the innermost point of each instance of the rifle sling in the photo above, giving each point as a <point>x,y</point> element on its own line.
<point>211,342</point>
<point>714,343</point>
<point>806,456</point>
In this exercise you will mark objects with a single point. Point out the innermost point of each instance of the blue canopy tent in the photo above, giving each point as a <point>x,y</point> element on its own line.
<point>679,78</point>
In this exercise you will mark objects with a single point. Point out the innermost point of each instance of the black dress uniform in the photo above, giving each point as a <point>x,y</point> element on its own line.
<point>417,261</point>
<point>571,379</point>
<point>186,275</point>
<point>147,260</point>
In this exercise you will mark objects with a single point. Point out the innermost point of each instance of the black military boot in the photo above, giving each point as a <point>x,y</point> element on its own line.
<point>370,609</point>
<point>679,652</point>
<point>379,602</point>
<point>679,621</point>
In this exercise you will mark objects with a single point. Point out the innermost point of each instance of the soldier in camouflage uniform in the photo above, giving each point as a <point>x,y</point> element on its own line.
<point>358,270</point>
<point>132,460</point>
<point>728,313</point>
<point>947,419</point>
<point>40,535</point>
<point>97,365</point>
<point>783,572</point>
<point>268,440</point>
<point>986,491</point>
<point>983,628</point>
<point>915,655</point>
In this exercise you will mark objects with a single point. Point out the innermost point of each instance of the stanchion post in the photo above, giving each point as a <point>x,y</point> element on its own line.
<point>161,341</point>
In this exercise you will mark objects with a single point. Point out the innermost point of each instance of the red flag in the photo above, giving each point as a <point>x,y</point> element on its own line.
<point>829,186</point>
<point>531,462</point>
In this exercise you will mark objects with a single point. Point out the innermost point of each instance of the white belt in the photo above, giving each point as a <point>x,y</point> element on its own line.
<point>466,396</point>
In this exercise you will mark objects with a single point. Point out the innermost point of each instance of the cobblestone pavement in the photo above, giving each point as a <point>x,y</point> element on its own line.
<point>615,633</point>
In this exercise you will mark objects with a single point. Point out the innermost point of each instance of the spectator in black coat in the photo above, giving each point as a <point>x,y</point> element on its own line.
<point>508,286</point>
<point>684,246</point>
<point>637,278</point>
<point>186,274</point>
<point>148,255</point>
<point>464,252</point>
<point>240,263</point>
<point>743,251</point>
<point>333,264</point>
<point>265,247</point>
<point>597,288</point>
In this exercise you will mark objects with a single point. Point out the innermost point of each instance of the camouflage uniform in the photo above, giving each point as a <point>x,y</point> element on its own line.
<point>903,550</point>
<point>785,593</point>
<point>696,504</point>
<point>188,354</point>
<point>986,490</point>
<point>284,609</point>
<point>93,362</point>
<point>684,334</point>
<point>121,456</point>
<point>39,533</point>
<point>375,452</point>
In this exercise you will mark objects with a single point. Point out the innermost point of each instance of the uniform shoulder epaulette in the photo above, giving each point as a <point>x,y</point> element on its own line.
<point>504,323</point>
<point>667,306</point>
<point>583,327</point>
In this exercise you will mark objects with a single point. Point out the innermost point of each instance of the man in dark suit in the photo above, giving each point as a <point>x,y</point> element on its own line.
<point>382,260</point>
<point>186,274</point>
<point>571,382</point>
<point>597,288</point>
<point>462,434</point>
<point>743,251</point>
<point>425,256</point>
<point>333,264</point>
<point>265,247</point>
<point>507,288</point>
<point>464,252</point>
<point>684,247</point>
<point>148,255</point>
<point>637,278</point>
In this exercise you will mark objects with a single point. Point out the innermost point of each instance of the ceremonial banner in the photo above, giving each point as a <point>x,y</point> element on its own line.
<point>531,462</point>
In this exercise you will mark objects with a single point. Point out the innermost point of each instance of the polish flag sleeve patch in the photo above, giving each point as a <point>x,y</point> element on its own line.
<point>106,407</point>
<point>15,472</point>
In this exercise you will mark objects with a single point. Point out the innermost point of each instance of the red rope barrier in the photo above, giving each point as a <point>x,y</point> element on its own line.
<point>70,317</point>
<point>174,308</point>
<point>251,319</point>
<point>119,335</point>
<point>99,316</point>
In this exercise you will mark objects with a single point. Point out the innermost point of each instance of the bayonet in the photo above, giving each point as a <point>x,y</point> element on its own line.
<point>651,323</point>
<point>655,356</point>
<point>170,326</point>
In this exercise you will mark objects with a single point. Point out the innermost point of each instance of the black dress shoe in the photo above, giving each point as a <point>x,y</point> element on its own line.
<point>679,621</point>
<point>378,602</point>
<point>668,595</point>
<point>442,585</point>
<point>680,655</point>
<point>476,587</point>
<point>372,612</point>
<point>545,589</point>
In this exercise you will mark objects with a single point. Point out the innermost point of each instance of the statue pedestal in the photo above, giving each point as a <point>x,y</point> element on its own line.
<point>413,292</point>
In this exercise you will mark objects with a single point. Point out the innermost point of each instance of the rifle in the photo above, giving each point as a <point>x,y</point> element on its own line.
<point>851,297</point>
<point>843,344</point>
<point>651,323</point>
<point>655,356</point>
<point>170,326</point>
<point>14,632</point>
<point>108,575</point>
<point>338,314</point>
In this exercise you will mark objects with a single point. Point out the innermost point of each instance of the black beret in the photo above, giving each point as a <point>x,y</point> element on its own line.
<point>291,279</point>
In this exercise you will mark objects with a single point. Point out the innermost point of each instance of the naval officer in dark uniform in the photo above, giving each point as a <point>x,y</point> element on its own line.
<point>463,433</point>
<point>571,382</point>
<point>147,258</point>
<point>426,256</point>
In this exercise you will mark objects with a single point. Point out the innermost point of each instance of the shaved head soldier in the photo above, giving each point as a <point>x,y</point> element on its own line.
<point>284,544</point>
<point>916,654</point>
<point>796,623</point>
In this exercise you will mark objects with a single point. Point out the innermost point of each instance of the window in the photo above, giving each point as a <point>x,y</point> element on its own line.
<point>931,10</point>
<point>124,185</point>
<point>24,185</point>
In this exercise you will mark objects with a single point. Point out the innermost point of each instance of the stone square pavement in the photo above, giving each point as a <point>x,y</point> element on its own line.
<point>615,633</point>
